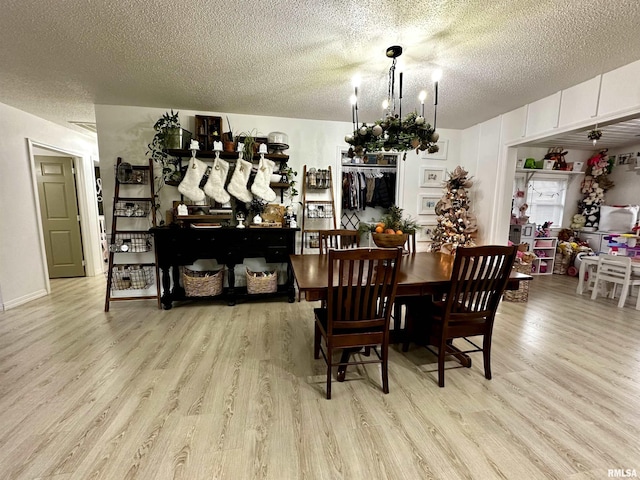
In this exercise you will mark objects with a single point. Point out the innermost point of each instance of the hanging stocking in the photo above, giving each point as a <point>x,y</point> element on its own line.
<point>190,184</point>
<point>217,178</point>
<point>260,187</point>
<point>239,179</point>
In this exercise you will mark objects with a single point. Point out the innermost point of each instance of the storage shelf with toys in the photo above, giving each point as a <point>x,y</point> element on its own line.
<point>545,250</point>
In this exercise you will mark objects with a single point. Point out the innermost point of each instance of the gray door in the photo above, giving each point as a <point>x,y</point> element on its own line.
<point>60,221</point>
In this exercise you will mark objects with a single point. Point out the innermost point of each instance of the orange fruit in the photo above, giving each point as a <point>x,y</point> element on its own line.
<point>379,229</point>
<point>390,231</point>
<point>398,232</point>
<point>380,224</point>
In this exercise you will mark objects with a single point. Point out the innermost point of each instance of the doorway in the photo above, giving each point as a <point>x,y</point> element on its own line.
<point>60,221</point>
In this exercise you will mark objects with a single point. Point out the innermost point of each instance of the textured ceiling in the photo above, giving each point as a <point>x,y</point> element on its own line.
<point>297,58</point>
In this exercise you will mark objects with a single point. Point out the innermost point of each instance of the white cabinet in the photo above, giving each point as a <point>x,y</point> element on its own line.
<point>545,250</point>
<point>579,102</point>
<point>543,115</point>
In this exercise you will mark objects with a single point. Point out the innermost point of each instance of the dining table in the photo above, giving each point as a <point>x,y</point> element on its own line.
<point>421,274</point>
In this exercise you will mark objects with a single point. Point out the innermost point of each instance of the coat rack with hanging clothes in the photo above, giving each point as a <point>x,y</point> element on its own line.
<point>367,190</point>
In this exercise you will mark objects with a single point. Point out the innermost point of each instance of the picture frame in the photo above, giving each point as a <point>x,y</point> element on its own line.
<point>623,159</point>
<point>441,154</point>
<point>427,203</point>
<point>431,176</point>
<point>426,228</point>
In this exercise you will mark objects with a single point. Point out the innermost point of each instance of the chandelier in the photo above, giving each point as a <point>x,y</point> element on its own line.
<point>594,135</point>
<point>393,132</point>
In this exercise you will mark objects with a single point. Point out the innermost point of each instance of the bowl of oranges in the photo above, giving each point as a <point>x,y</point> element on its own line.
<point>390,240</point>
<point>392,229</point>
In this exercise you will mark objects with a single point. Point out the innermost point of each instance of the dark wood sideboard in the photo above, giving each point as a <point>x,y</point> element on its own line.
<point>177,246</point>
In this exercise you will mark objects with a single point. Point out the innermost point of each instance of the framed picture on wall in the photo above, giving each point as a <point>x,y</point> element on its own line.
<point>441,154</point>
<point>431,177</point>
<point>427,226</point>
<point>427,204</point>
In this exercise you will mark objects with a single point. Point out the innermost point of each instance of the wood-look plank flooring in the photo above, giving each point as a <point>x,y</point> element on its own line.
<point>207,391</point>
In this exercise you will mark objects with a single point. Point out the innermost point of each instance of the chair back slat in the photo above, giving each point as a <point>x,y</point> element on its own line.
<point>479,278</point>
<point>338,239</point>
<point>362,287</point>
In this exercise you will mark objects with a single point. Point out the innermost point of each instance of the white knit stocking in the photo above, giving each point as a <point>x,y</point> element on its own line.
<point>190,184</point>
<point>260,187</point>
<point>217,178</point>
<point>239,179</point>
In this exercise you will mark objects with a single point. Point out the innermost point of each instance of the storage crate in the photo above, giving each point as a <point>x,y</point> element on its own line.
<point>138,208</point>
<point>131,243</point>
<point>131,277</point>
<point>262,282</point>
<point>202,284</point>
<point>522,294</point>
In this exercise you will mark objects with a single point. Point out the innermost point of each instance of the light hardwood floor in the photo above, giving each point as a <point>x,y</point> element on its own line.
<point>207,391</point>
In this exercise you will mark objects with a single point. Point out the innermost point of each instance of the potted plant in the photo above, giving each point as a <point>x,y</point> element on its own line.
<point>167,129</point>
<point>290,175</point>
<point>249,143</point>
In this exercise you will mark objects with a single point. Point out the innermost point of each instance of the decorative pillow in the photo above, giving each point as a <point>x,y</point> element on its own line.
<point>618,218</point>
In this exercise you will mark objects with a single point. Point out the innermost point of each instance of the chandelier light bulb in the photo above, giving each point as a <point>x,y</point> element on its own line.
<point>422,97</point>
<point>385,104</point>
<point>594,142</point>
<point>436,76</point>
<point>353,99</point>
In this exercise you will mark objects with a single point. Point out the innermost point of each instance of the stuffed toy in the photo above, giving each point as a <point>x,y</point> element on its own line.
<point>578,221</point>
<point>190,184</point>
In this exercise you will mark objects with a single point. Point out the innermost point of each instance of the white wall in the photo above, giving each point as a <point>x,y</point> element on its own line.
<point>126,131</point>
<point>410,168</point>
<point>22,262</point>
<point>626,180</point>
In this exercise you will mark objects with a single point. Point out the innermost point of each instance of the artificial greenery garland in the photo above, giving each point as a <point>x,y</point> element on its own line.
<point>392,133</point>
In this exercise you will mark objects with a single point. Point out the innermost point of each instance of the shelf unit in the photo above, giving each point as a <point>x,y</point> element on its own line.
<point>280,158</point>
<point>530,172</point>
<point>545,250</point>
<point>133,265</point>
<point>319,212</point>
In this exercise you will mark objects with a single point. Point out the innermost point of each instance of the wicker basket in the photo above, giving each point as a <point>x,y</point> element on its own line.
<point>388,240</point>
<point>522,294</point>
<point>262,282</point>
<point>202,284</point>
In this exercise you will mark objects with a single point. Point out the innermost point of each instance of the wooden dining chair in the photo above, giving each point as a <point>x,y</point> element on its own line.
<point>615,270</point>
<point>409,247</point>
<point>361,288</point>
<point>339,239</point>
<point>478,279</point>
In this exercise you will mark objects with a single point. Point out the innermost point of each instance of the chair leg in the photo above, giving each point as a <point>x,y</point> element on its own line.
<point>397,316</point>
<point>594,292</point>
<point>408,329</point>
<point>385,368</point>
<point>329,365</point>
<point>623,295</point>
<point>486,355</point>
<point>442,350</point>
<point>316,342</point>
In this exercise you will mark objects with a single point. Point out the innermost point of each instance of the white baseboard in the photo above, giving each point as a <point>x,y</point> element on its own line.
<point>22,300</point>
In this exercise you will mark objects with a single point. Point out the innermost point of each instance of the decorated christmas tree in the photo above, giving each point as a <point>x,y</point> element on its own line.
<point>456,224</point>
